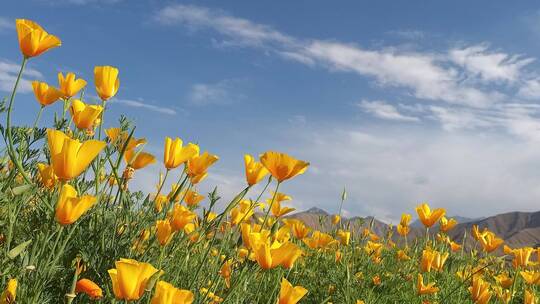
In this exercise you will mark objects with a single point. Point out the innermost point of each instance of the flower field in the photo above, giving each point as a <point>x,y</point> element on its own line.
<point>72,231</point>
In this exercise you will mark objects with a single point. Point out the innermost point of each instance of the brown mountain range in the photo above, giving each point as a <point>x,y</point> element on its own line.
<point>516,228</point>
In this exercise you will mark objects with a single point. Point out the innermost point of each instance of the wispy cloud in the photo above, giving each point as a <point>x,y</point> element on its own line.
<point>490,66</point>
<point>220,93</point>
<point>8,75</point>
<point>240,31</point>
<point>141,104</point>
<point>530,89</point>
<point>433,76</point>
<point>6,24</point>
<point>419,72</point>
<point>384,110</point>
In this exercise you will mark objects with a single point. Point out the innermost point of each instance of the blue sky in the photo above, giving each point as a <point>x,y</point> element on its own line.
<point>398,102</point>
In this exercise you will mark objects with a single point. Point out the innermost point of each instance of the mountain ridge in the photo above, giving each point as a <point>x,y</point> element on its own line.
<point>516,228</point>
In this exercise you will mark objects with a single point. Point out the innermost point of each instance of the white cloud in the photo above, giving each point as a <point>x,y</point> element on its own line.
<point>415,71</point>
<point>531,89</point>
<point>143,105</point>
<point>240,31</point>
<point>428,75</point>
<point>384,110</point>
<point>467,173</point>
<point>489,66</point>
<point>220,93</point>
<point>297,57</point>
<point>458,118</point>
<point>6,24</point>
<point>521,120</point>
<point>8,76</point>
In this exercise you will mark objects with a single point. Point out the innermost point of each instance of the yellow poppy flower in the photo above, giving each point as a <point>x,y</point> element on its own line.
<point>70,207</point>
<point>425,289</point>
<point>166,293</point>
<point>298,229</point>
<point>479,290</point>
<point>522,256</point>
<point>242,212</point>
<point>255,171</point>
<point>226,271</point>
<point>175,154</point>
<point>504,295</point>
<point>46,174</point>
<point>403,227</point>
<point>447,224</point>
<point>290,294</point>
<point>116,136</point>
<point>490,241</point>
<point>69,156</point>
<point>402,255</point>
<point>278,211</point>
<point>454,246</point>
<point>33,39</point>
<point>129,278</point>
<point>283,166</point>
<point>477,234</point>
<point>69,86</point>
<point>529,298</point>
<point>336,219</point>
<point>90,288</point>
<point>138,160</point>
<point>403,230</point>
<point>180,217</point>
<point>10,293</point>
<point>106,81</point>
<point>160,201</point>
<point>199,164</point>
<point>319,240</point>
<point>531,277</point>
<point>285,255</point>
<point>164,232</point>
<point>427,216</point>
<point>338,256</point>
<point>192,198</point>
<point>432,259</point>
<point>504,280</point>
<point>344,236</point>
<point>85,115</point>
<point>45,94</point>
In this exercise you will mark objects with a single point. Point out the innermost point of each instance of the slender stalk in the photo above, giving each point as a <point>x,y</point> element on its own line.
<point>271,203</point>
<point>161,186</point>
<point>38,117</point>
<point>71,295</point>
<point>10,146</point>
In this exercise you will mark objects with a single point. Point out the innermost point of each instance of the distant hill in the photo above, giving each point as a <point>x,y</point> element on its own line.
<point>516,228</point>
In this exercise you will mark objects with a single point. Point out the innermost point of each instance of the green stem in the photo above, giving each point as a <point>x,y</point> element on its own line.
<point>161,186</point>
<point>38,117</point>
<point>271,203</point>
<point>71,295</point>
<point>11,151</point>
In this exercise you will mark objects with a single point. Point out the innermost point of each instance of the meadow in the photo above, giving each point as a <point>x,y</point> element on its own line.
<point>72,231</point>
